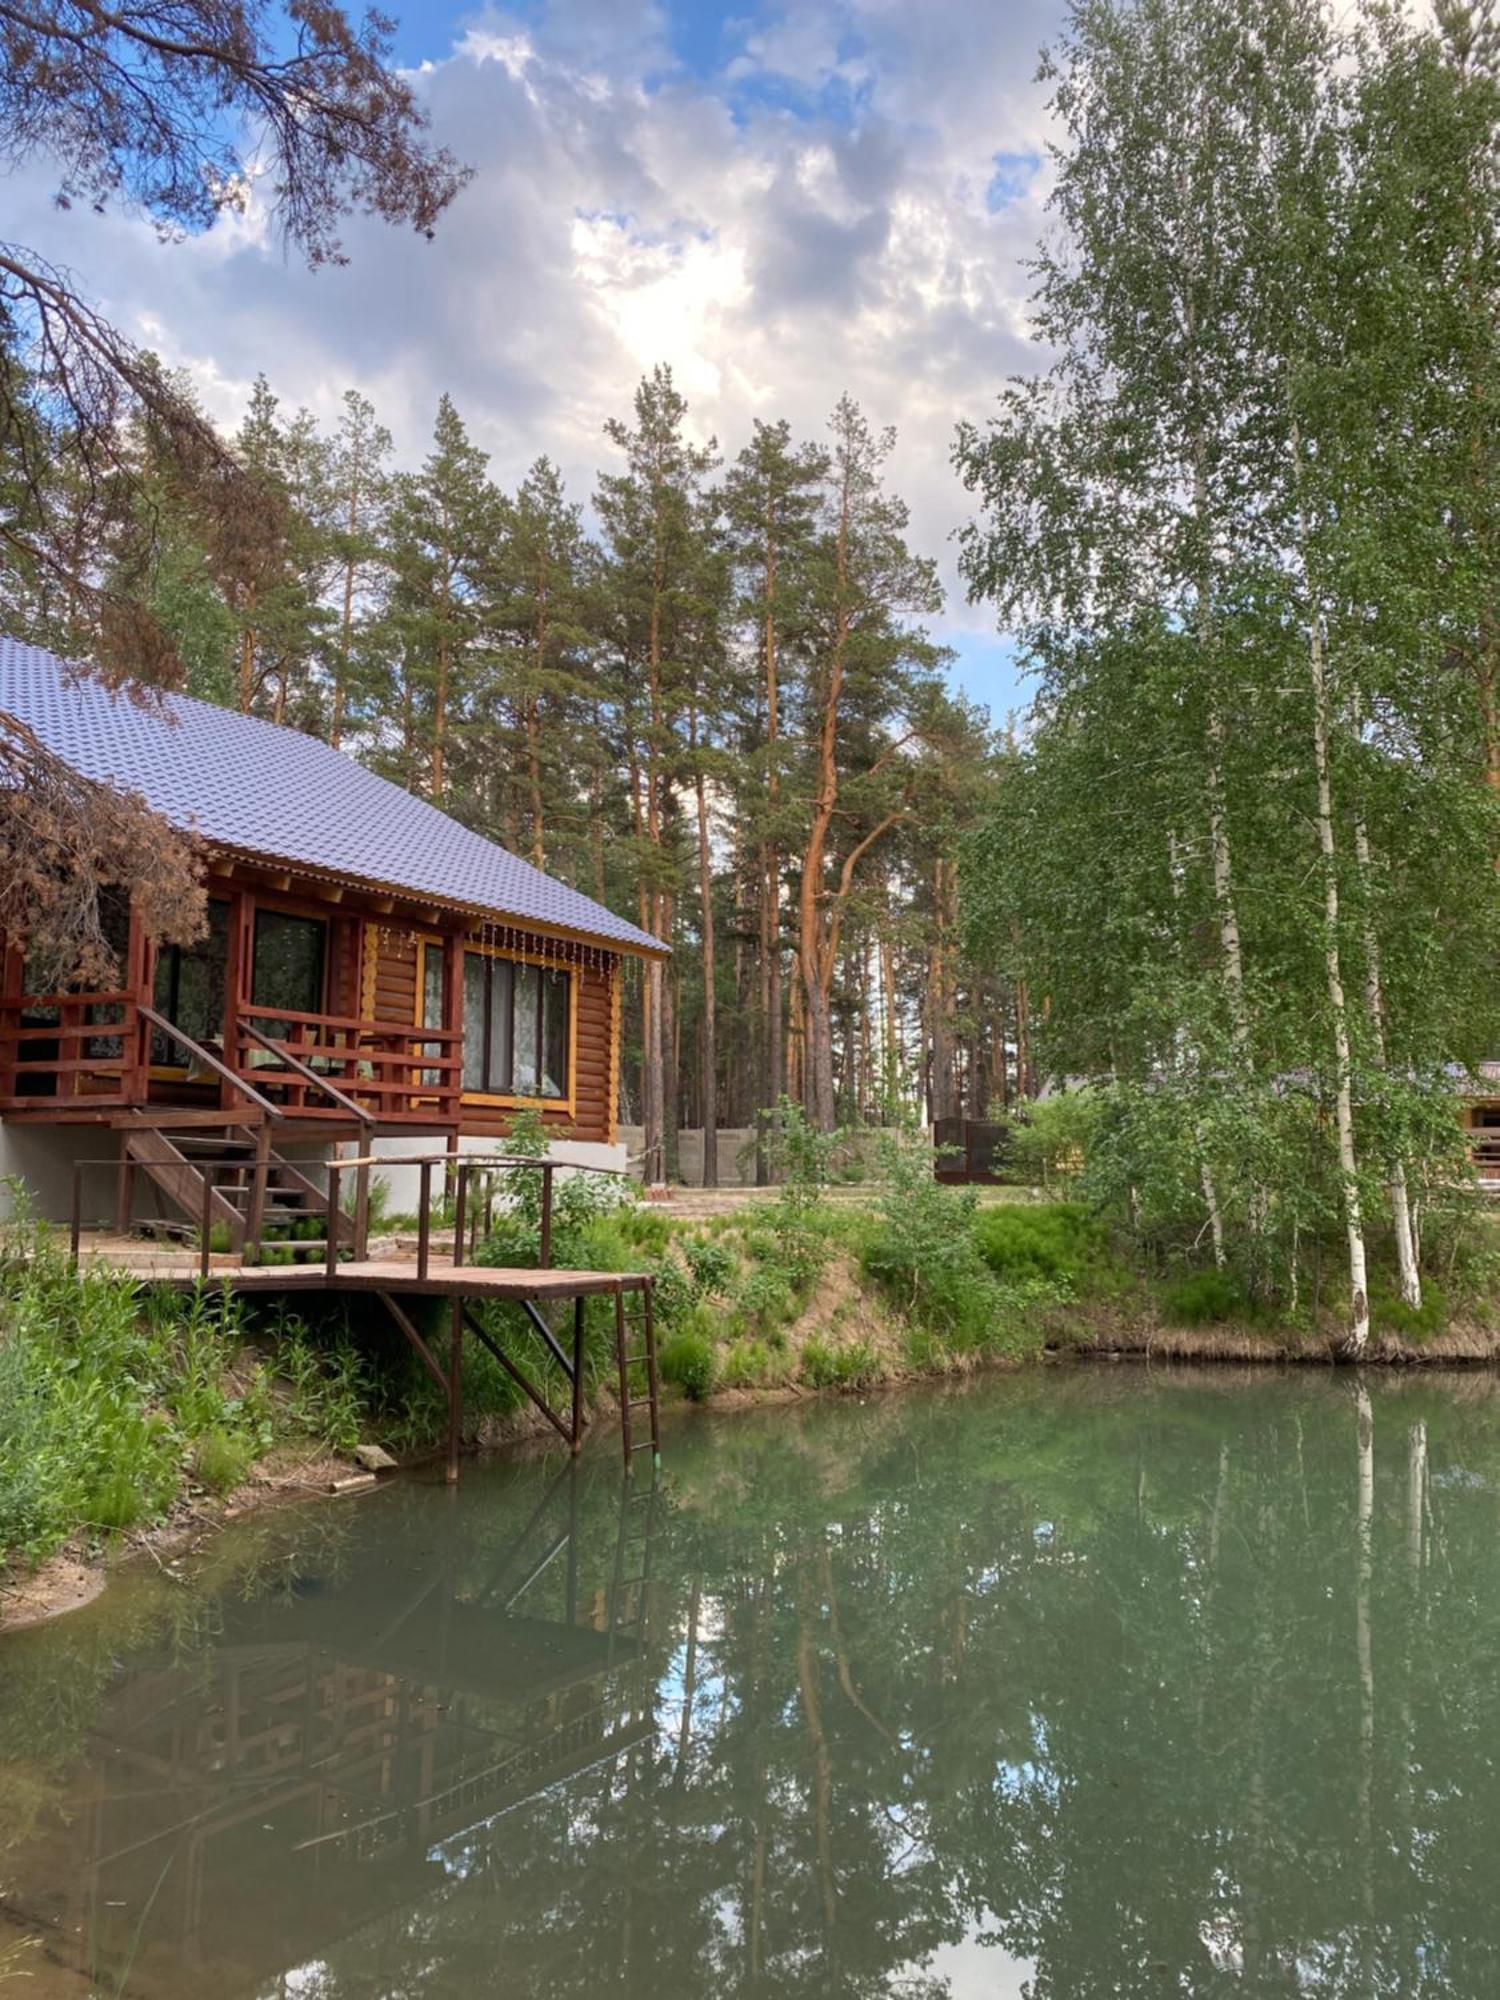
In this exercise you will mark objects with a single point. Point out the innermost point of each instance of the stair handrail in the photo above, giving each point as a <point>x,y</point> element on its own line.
<point>307,1075</point>
<point>211,1062</point>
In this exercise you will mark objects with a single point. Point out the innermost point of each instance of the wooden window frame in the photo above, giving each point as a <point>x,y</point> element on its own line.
<point>562,1107</point>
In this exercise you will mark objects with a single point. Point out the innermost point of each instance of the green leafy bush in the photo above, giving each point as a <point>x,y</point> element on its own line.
<point>688,1358</point>
<point>919,1246</point>
<point>1203,1298</point>
<point>752,1364</point>
<point>711,1265</point>
<point>1043,1239</point>
<point>765,1300</point>
<point>826,1365</point>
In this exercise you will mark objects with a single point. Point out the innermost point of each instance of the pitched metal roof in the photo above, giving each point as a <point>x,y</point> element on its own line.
<point>262,790</point>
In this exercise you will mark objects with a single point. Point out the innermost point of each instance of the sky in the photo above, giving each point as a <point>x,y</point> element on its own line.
<point>783,201</point>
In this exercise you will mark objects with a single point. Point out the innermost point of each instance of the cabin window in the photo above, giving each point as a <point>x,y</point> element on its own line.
<point>515,1028</point>
<point>432,1003</point>
<point>189,989</point>
<point>290,954</point>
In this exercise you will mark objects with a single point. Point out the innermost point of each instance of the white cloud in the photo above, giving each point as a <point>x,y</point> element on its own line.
<point>814,217</point>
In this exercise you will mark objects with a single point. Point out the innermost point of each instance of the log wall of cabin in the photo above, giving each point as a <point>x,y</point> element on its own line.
<point>392,974</point>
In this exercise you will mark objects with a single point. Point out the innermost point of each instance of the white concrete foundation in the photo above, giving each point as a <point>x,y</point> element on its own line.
<point>37,1161</point>
<point>404,1184</point>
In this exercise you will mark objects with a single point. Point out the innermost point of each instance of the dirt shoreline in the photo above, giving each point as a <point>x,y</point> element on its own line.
<point>78,1574</point>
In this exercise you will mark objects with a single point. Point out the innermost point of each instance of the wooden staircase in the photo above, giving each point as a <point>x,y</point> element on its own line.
<point>222,1166</point>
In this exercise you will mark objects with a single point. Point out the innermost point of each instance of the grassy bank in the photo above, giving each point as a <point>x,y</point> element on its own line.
<point>122,1408</point>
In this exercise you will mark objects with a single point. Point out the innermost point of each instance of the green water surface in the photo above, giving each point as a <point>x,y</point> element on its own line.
<point>1087,1682</point>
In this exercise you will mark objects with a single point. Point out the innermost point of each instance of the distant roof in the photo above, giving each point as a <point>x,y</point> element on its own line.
<point>262,790</point>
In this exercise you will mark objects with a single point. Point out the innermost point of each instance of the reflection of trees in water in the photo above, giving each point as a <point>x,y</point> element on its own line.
<point>1157,1686</point>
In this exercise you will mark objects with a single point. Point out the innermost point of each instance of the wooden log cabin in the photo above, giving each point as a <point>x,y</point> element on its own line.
<point>372,972</point>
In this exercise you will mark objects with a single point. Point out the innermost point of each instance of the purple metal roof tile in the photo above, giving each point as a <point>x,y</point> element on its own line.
<point>242,783</point>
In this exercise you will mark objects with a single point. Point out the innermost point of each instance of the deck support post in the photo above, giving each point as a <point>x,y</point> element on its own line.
<point>622,1363</point>
<point>578,1319</point>
<point>455,1390</point>
<point>255,1219</point>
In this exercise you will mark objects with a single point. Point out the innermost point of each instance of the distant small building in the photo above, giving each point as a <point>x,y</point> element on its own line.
<point>1482,1122</point>
<point>372,971</point>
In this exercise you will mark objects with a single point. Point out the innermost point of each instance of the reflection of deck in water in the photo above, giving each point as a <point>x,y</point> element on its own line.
<point>317,1761</point>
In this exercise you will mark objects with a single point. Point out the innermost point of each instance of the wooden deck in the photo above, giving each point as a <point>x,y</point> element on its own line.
<point>466,1288</point>
<point>443,1279</point>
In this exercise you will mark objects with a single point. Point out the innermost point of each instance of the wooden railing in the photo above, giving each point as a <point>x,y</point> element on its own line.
<point>45,1062</point>
<point>472,1178</point>
<point>299,1065</point>
<point>379,1070</point>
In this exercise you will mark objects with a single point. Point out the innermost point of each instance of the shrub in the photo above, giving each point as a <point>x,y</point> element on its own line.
<point>711,1265</point>
<point>764,1301</point>
<point>920,1248</point>
<point>1051,1239</point>
<point>828,1366</point>
<point>687,1358</point>
<point>1389,1312</point>
<point>1051,1142</point>
<point>750,1364</point>
<point>221,1458</point>
<point>1203,1298</point>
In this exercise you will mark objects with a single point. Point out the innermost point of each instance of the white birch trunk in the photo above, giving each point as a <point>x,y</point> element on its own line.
<point>1354,1231</point>
<point>1406,1243</point>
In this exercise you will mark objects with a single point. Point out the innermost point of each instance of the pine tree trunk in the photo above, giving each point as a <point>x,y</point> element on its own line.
<point>709,1059</point>
<point>813,954</point>
<point>246,690</point>
<point>534,729</point>
<point>671,1060</point>
<point>346,624</point>
<point>772,1057</point>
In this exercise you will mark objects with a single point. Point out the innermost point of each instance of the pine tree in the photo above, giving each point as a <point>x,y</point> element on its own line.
<point>654,520</point>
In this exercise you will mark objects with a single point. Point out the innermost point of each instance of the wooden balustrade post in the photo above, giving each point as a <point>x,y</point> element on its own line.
<point>206,1219</point>
<point>546,1252</point>
<point>460,1212</point>
<point>455,1391</point>
<point>255,1215</point>
<point>450,1089</point>
<point>424,1216</point>
<point>335,1199</point>
<point>362,1197</point>
<point>578,1325</point>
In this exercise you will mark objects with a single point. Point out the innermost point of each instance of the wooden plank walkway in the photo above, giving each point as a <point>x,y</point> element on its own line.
<point>443,1279</point>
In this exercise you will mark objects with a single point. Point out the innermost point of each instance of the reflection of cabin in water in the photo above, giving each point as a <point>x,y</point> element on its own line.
<point>334,1759</point>
<point>372,971</point>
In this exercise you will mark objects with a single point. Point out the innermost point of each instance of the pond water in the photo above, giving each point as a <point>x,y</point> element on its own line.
<point>1087,1682</point>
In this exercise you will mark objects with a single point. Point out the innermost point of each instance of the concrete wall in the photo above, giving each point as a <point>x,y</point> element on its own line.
<point>40,1158</point>
<point>404,1184</point>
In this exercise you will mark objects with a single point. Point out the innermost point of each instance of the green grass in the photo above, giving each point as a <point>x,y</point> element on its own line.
<point>115,1398</point>
<point>1055,1240</point>
<point>1203,1298</point>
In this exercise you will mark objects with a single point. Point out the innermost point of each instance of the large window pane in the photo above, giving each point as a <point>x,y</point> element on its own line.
<point>528,1022</point>
<point>501,1034</point>
<point>288,970</point>
<point>189,989</point>
<point>554,1035</point>
<point>476,994</point>
<point>515,1028</point>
